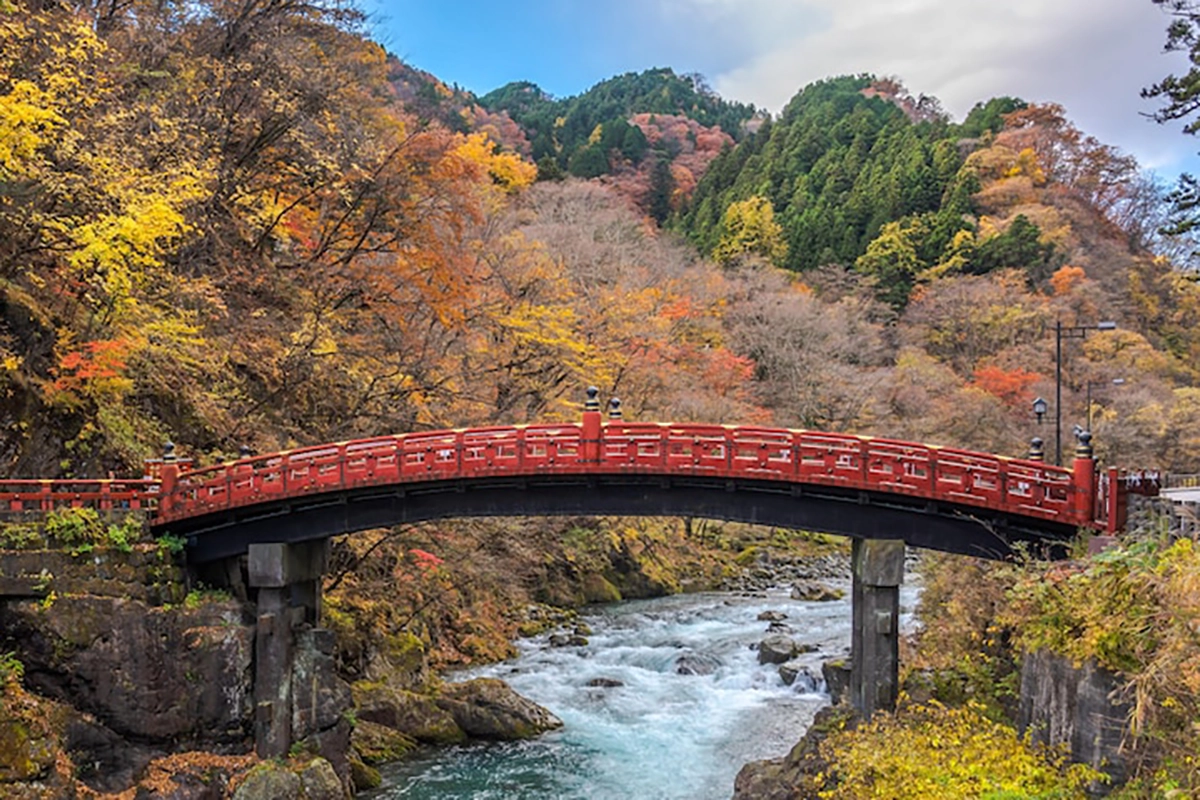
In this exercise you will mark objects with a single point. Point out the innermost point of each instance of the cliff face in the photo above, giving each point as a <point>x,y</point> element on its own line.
<point>137,681</point>
<point>1076,707</point>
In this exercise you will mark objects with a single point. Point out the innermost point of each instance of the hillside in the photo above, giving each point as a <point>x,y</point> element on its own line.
<point>651,135</point>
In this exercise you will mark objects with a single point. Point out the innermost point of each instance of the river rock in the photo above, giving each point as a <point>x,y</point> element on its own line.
<point>772,616</point>
<point>269,781</point>
<point>379,744</point>
<point>794,673</point>
<point>605,683</point>
<point>696,664</point>
<point>363,777</point>
<point>837,679</point>
<point>320,781</point>
<point>415,715</point>
<point>487,708</point>
<point>776,648</point>
<point>779,627</point>
<point>815,591</point>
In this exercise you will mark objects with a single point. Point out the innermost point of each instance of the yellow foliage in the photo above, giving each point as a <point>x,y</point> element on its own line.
<point>596,133</point>
<point>509,171</point>
<point>949,753</point>
<point>25,119</point>
<point>749,227</point>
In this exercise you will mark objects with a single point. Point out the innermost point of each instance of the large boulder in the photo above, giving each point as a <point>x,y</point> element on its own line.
<point>29,743</point>
<point>776,648</point>
<point>416,715</point>
<point>815,591</point>
<point>269,781</point>
<point>320,781</point>
<point>487,708</point>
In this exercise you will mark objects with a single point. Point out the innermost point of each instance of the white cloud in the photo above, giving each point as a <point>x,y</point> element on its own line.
<point>1091,56</point>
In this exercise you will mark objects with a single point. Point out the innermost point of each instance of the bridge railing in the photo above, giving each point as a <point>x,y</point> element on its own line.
<point>18,496</point>
<point>939,474</point>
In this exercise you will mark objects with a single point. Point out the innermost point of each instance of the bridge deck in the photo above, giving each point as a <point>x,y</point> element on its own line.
<point>629,454</point>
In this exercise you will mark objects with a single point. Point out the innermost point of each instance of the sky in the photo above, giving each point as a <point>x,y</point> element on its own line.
<point>1091,56</point>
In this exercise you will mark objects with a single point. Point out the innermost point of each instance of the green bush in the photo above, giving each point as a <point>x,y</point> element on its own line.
<point>124,534</point>
<point>74,527</point>
<point>11,669</point>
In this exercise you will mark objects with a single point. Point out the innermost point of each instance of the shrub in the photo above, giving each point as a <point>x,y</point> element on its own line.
<point>73,527</point>
<point>926,751</point>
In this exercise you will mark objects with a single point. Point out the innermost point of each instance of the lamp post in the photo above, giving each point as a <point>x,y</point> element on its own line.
<point>1070,332</point>
<point>1039,409</point>
<point>1090,384</point>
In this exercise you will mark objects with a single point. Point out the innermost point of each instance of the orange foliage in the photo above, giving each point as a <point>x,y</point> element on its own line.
<point>1066,279</point>
<point>1011,386</point>
<point>98,363</point>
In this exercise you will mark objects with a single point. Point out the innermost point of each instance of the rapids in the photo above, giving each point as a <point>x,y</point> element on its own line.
<point>692,705</point>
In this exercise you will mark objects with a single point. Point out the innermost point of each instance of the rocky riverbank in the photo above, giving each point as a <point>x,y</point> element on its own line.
<point>142,682</point>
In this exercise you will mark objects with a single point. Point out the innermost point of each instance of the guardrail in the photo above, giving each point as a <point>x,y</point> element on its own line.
<point>1170,481</point>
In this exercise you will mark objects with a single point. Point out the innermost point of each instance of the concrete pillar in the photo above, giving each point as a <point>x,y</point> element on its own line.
<point>286,580</point>
<point>878,568</point>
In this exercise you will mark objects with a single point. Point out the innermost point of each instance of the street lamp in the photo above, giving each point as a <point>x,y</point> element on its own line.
<point>1069,332</point>
<point>1039,409</point>
<point>1090,384</point>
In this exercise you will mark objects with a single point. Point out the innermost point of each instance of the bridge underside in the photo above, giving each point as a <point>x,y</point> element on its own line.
<point>863,515</point>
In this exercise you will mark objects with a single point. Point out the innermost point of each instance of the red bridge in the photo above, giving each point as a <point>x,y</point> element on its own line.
<point>933,497</point>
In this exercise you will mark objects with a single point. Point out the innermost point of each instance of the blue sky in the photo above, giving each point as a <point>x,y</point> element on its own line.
<point>1091,56</point>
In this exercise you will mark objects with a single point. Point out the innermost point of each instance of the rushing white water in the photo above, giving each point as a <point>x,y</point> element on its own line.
<point>660,734</point>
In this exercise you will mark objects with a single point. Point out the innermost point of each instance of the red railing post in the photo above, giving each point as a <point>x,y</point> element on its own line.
<point>1083,480</point>
<point>591,427</point>
<point>1116,503</point>
<point>168,478</point>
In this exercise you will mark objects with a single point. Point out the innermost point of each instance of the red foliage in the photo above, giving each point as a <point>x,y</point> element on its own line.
<point>94,361</point>
<point>1011,386</point>
<point>426,560</point>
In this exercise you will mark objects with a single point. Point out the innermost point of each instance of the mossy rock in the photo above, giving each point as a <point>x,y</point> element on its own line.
<point>379,744</point>
<point>29,741</point>
<point>748,557</point>
<point>320,781</point>
<point>363,776</point>
<point>598,589</point>
<point>269,781</point>
<point>412,714</point>
<point>487,708</point>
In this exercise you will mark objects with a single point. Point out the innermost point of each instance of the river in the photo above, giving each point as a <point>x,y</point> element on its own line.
<point>660,734</point>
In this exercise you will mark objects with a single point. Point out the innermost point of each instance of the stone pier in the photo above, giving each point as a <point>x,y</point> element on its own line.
<point>878,569</point>
<point>285,580</point>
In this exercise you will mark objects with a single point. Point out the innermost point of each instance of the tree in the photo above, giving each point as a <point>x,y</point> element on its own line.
<point>748,228</point>
<point>892,259</point>
<point>1181,95</point>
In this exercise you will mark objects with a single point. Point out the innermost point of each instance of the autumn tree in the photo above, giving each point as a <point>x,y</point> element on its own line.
<point>748,228</point>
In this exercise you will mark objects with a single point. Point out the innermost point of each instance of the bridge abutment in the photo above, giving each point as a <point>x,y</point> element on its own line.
<point>285,580</point>
<point>878,572</point>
